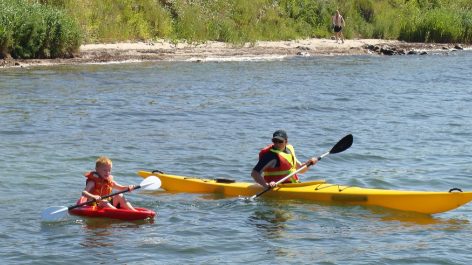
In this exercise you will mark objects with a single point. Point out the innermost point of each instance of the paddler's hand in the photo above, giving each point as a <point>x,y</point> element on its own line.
<point>271,185</point>
<point>131,188</point>
<point>313,161</point>
<point>97,198</point>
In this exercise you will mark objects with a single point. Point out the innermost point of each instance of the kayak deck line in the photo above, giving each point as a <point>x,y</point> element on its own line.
<point>415,201</point>
<point>339,189</point>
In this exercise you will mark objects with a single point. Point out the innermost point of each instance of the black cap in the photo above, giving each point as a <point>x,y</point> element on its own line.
<point>280,134</point>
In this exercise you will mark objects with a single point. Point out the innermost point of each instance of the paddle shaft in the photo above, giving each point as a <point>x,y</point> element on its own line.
<point>103,197</point>
<point>288,176</point>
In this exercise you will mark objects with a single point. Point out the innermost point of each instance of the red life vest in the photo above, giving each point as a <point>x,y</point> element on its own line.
<point>102,186</point>
<point>288,165</point>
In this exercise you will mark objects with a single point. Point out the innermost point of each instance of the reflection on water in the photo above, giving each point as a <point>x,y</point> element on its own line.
<point>99,230</point>
<point>386,220</point>
<point>408,219</point>
<point>56,228</point>
<point>270,222</point>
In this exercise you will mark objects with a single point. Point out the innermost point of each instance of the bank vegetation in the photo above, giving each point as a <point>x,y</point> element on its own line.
<point>56,28</point>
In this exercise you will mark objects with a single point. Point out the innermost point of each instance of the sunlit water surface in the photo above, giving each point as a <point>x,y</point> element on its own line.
<point>410,117</point>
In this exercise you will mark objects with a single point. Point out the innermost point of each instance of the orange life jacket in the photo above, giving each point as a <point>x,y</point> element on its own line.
<point>102,186</point>
<point>288,165</point>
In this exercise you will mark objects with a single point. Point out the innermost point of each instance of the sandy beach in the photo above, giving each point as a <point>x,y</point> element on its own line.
<point>162,50</point>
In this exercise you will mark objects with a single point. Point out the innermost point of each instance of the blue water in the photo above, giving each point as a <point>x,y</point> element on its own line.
<point>410,117</point>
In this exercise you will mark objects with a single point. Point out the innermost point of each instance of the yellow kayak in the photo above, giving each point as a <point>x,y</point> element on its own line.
<point>415,201</point>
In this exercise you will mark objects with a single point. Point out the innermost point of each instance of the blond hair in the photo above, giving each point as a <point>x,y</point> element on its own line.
<point>103,161</point>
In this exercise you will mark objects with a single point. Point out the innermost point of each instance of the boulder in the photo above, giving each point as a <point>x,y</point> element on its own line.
<point>387,51</point>
<point>303,54</point>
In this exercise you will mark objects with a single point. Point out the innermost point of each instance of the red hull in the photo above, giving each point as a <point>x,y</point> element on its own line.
<point>93,211</point>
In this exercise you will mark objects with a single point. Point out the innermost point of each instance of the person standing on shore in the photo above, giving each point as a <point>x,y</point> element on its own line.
<point>338,29</point>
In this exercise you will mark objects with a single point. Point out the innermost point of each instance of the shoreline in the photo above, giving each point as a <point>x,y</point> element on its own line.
<point>163,50</point>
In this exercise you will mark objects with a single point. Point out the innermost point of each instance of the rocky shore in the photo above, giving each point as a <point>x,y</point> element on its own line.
<point>166,51</point>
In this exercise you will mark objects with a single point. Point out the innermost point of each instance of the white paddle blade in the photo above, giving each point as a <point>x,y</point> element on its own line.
<point>54,213</point>
<point>151,183</point>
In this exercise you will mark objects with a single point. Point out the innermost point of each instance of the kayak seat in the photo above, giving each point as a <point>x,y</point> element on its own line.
<point>82,199</point>
<point>224,180</point>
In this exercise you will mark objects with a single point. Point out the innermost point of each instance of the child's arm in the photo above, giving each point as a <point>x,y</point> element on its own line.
<point>117,186</point>
<point>88,188</point>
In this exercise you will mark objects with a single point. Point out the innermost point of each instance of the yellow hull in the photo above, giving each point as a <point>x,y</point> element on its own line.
<point>415,201</point>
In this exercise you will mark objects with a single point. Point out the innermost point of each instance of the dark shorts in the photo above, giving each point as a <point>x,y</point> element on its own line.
<point>338,28</point>
<point>118,206</point>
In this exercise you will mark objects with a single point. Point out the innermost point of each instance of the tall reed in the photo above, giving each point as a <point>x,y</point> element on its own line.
<point>438,25</point>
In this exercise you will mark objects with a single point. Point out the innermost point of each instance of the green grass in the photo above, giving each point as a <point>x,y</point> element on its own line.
<point>51,28</point>
<point>438,25</point>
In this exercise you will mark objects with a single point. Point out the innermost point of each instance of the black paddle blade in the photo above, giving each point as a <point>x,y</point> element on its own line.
<point>342,145</point>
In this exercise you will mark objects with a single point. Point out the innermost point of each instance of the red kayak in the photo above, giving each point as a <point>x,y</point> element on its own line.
<point>94,211</point>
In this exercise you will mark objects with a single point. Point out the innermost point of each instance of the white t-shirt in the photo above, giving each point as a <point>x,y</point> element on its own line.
<point>339,18</point>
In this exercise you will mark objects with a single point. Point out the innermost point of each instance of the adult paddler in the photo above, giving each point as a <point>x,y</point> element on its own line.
<point>277,161</point>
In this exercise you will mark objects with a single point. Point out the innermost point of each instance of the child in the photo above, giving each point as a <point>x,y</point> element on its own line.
<point>101,183</point>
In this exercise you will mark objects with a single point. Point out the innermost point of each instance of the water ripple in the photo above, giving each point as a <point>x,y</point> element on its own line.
<point>409,116</point>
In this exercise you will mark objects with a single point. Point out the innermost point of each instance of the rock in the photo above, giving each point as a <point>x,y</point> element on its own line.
<point>423,53</point>
<point>412,52</point>
<point>306,48</point>
<point>303,54</point>
<point>458,46</point>
<point>387,51</point>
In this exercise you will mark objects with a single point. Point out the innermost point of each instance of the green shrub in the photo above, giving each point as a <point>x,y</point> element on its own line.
<point>29,28</point>
<point>32,30</point>
<point>438,25</point>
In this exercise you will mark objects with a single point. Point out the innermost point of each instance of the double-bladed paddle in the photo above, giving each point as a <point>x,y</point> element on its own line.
<point>342,145</point>
<point>55,213</point>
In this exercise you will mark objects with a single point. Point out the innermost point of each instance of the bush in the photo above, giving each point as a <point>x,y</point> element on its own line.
<point>36,31</point>
<point>42,29</point>
<point>438,25</point>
